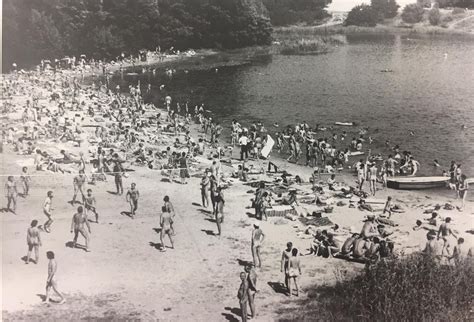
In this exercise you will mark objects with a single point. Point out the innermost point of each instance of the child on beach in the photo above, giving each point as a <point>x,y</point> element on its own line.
<point>132,198</point>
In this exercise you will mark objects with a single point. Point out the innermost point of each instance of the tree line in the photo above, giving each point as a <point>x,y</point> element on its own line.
<point>35,29</point>
<point>378,10</point>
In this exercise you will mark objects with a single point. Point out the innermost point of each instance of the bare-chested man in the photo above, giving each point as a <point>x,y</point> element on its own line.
<point>47,210</point>
<point>33,239</point>
<point>78,183</point>
<point>90,204</point>
<point>444,232</point>
<point>51,282</point>
<point>257,239</point>
<point>166,221</point>
<point>79,220</point>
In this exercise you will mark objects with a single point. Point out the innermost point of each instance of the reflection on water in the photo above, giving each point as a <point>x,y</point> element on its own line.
<point>429,91</point>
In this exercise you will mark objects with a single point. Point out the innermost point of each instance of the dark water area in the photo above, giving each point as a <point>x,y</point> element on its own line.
<point>430,91</point>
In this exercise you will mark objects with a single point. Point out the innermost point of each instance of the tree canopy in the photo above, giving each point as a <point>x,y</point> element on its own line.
<point>104,28</point>
<point>287,12</point>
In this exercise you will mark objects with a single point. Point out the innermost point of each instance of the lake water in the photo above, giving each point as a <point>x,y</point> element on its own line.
<point>429,92</point>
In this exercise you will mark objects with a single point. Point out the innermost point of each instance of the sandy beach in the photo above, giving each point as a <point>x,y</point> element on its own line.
<point>125,276</point>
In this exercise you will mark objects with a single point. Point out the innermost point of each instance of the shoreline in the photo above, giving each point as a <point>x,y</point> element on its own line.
<point>181,283</point>
<point>379,29</point>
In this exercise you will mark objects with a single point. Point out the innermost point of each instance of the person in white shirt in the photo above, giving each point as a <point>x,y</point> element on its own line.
<point>243,141</point>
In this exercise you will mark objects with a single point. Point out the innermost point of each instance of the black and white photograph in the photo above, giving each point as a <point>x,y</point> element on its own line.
<point>237,160</point>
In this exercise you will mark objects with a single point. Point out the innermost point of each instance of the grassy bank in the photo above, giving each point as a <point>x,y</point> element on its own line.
<point>413,288</point>
<point>452,23</point>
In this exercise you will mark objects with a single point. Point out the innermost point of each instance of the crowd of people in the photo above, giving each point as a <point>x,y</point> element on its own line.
<point>121,130</point>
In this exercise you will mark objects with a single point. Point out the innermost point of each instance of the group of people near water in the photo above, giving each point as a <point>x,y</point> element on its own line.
<point>131,132</point>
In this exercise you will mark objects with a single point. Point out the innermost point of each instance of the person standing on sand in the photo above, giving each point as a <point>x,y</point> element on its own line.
<point>294,270</point>
<point>166,222</point>
<point>78,183</point>
<point>373,178</point>
<point>219,212</point>
<point>33,239</point>
<point>285,258</point>
<point>243,142</point>
<point>11,194</point>
<point>51,282</point>
<point>47,210</point>
<point>445,231</point>
<point>117,170</point>
<point>361,176</point>
<point>462,188</point>
<point>256,243</point>
<point>252,288</point>
<point>205,188</point>
<point>243,296</point>
<point>90,204</point>
<point>77,226</point>
<point>25,179</point>
<point>132,198</point>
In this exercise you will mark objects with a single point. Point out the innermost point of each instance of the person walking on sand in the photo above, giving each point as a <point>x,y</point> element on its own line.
<point>79,220</point>
<point>51,282</point>
<point>166,222</point>
<point>48,211</point>
<point>33,239</point>
<point>256,243</point>
<point>11,194</point>
<point>243,296</point>
<point>252,288</point>
<point>132,198</point>
<point>170,208</point>
<point>294,270</point>
<point>78,183</point>
<point>90,204</point>
<point>117,170</point>
<point>285,259</point>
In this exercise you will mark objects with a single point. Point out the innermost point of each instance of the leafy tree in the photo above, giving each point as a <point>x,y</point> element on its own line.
<point>385,8</point>
<point>434,16</point>
<point>412,13</point>
<point>424,3</point>
<point>362,15</point>
<point>286,12</point>
<point>35,29</point>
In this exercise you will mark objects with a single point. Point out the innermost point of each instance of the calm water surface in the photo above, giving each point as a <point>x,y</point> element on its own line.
<point>430,92</point>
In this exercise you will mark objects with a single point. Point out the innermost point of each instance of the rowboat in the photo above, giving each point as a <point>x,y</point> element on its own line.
<point>417,183</point>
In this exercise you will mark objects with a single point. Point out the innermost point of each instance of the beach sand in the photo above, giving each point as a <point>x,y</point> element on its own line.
<point>127,277</point>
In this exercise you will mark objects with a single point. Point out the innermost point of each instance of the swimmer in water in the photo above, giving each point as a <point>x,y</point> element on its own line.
<point>412,133</point>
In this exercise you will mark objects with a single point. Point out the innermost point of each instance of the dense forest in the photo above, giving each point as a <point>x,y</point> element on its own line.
<point>34,29</point>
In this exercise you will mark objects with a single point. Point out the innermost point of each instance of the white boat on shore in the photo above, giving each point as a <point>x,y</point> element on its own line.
<point>417,183</point>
